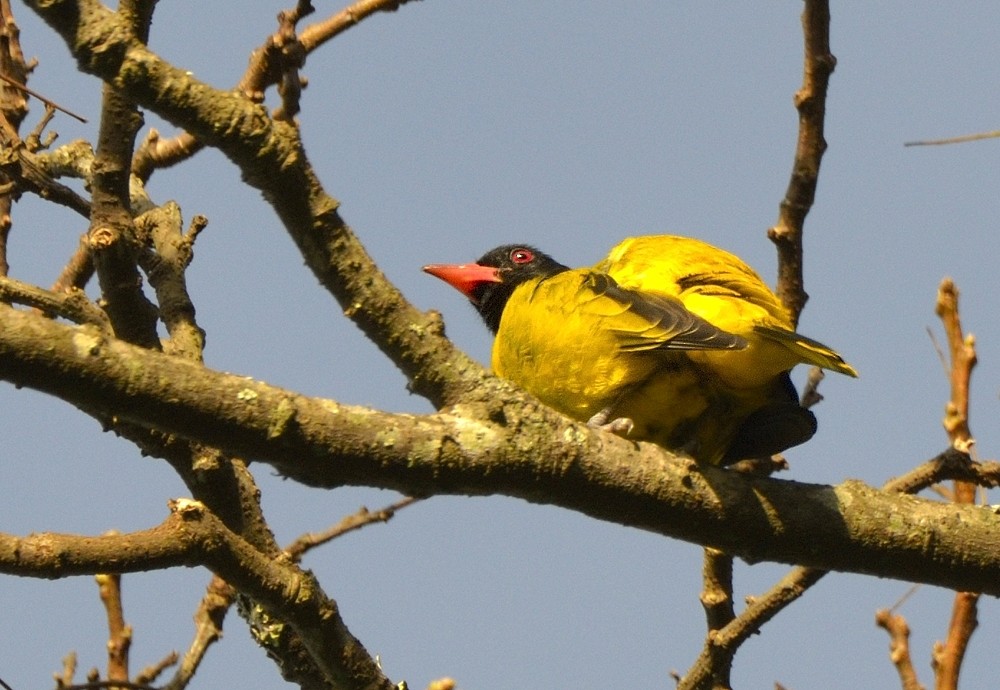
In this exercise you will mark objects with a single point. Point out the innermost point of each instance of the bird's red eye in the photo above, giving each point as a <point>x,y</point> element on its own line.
<point>521,256</point>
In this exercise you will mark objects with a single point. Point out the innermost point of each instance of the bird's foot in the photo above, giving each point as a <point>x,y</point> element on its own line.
<point>620,425</point>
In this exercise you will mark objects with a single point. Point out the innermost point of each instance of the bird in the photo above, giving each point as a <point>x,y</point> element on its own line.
<point>668,339</point>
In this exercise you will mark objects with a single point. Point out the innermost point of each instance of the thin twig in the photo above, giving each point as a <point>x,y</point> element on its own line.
<point>955,140</point>
<point>99,684</point>
<point>78,271</point>
<point>65,678</point>
<point>281,53</point>
<point>947,658</point>
<point>317,34</point>
<point>153,671</point>
<point>155,152</point>
<point>810,101</point>
<point>211,613</point>
<point>720,647</point>
<point>810,393</point>
<point>717,600</point>
<point>43,99</point>
<point>119,632</point>
<point>940,352</point>
<point>962,355</point>
<point>363,517</point>
<point>717,589</point>
<point>33,142</point>
<point>899,647</point>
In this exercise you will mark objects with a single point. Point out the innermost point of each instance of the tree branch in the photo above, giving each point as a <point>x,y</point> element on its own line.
<point>899,648</point>
<point>513,447</point>
<point>165,267</point>
<point>281,54</point>
<point>192,536</point>
<point>298,548</point>
<point>119,632</point>
<point>317,34</point>
<point>112,239</point>
<point>13,109</point>
<point>810,101</point>
<point>948,657</point>
<point>271,159</point>
<point>208,620</point>
<point>72,304</point>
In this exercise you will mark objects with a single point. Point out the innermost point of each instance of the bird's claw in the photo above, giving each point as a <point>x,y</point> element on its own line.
<point>620,425</point>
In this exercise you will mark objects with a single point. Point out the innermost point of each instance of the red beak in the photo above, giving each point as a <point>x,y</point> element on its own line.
<point>464,277</point>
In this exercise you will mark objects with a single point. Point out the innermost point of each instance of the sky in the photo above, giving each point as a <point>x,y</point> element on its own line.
<point>448,128</point>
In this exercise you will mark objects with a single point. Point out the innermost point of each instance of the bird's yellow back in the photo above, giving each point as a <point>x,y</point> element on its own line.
<point>722,289</point>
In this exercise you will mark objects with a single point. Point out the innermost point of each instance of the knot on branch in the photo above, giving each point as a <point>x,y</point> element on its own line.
<point>101,42</point>
<point>187,508</point>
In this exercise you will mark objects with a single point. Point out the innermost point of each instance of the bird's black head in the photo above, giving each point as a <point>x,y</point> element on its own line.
<point>515,264</point>
<point>490,281</point>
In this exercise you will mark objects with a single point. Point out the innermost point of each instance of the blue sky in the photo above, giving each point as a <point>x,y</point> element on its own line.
<point>450,127</point>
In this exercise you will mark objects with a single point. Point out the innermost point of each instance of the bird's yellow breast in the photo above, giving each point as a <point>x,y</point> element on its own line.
<point>563,342</point>
<point>565,354</point>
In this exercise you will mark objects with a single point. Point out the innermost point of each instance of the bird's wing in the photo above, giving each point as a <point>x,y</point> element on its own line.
<point>643,321</point>
<point>722,289</point>
<point>709,281</point>
<point>733,283</point>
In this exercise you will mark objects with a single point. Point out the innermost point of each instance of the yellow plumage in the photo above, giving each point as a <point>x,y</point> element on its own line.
<point>722,289</point>
<point>681,338</point>
<point>581,351</point>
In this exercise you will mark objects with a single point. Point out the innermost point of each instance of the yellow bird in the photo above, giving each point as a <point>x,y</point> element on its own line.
<point>668,339</point>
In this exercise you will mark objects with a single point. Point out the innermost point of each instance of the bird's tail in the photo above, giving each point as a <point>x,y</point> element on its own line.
<point>809,351</point>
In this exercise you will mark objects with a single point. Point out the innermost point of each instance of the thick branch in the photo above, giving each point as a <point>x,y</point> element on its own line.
<point>515,448</point>
<point>55,556</point>
<point>111,236</point>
